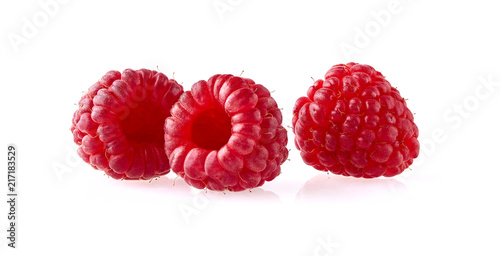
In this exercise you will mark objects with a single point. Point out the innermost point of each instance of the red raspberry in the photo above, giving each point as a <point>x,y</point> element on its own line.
<point>354,123</point>
<point>226,133</point>
<point>119,123</point>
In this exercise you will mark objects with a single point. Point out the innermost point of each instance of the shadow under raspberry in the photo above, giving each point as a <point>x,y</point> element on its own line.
<point>328,187</point>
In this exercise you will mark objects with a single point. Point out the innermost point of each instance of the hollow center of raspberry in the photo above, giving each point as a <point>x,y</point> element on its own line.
<point>211,129</point>
<point>143,124</point>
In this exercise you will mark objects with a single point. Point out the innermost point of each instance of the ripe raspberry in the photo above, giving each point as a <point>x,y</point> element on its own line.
<point>354,123</point>
<point>226,133</point>
<point>119,123</point>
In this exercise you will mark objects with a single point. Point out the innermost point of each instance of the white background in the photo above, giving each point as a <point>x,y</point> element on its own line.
<point>443,57</point>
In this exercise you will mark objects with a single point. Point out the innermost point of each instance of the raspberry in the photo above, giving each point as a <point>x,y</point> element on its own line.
<point>119,123</point>
<point>226,134</point>
<point>354,123</point>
